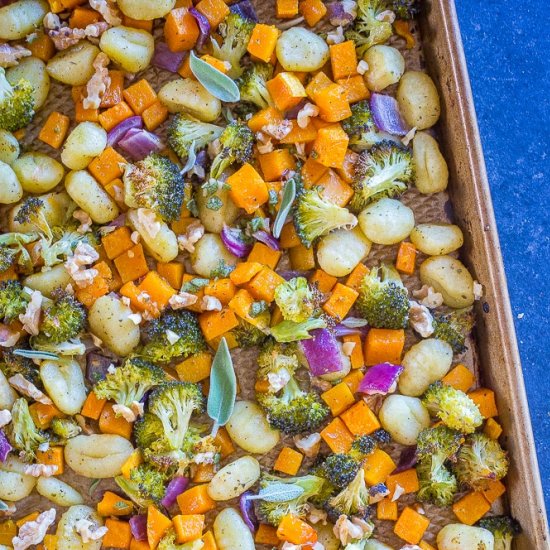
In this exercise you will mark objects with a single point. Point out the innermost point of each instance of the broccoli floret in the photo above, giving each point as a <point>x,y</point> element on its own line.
<point>370,26</point>
<point>315,216</point>
<point>64,429</point>
<point>62,320</point>
<point>155,183</point>
<point>435,447</point>
<point>247,335</point>
<point>173,403</point>
<point>383,171</point>
<point>150,439</point>
<point>31,212</point>
<point>480,460</point>
<point>405,9</point>
<point>129,383</point>
<point>168,542</point>
<point>273,512</point>
<point>293,411</point>
<point>297,300</point>
<point>16,103</point>
<point>65,241</point>
<point>453,407</point>
<point>276,358</point>
<point>381,436</point>
<point>12,364</point>
<point>13,300</point>
<point>235,31</point>
<point>159,349</point>
<point>146,485</point>
<point>22,432</point>
<point>360,125</point>
<point>7,258</point>
<point>12,247</point>
<point>289,331</point>
<point>236,142</point>
<point>186,133</point>
<point>352,500</point>
<point>253,87</point>
<point>383,299</point>
<point>504,528</point>
<point>340,469</point>
<point>454,327</point>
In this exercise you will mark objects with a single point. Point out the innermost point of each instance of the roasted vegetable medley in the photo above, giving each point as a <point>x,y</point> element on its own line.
<point>225,322</point>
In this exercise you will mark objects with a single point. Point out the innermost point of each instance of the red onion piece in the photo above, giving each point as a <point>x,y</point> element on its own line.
<point>233,241</point>
<point>138,527</point>
<point>118,132</point>
<point>342,330</point>
<point>175,488</point>
<point>267,239</point>
<point>386,115</point>
<point>165,58</point>
<point>204,27</point>
<point>291,114</point>
<point>380,379</point>
<point>140,143</point>
<point>291,274</point>
<point>245,9</point>
<point>97,366</point>
<point>247,511</point>
<point>119,221</point>
<point>337,14</point>
<point>322,352</point>
<point>407,460</point>
<point>5,446</point>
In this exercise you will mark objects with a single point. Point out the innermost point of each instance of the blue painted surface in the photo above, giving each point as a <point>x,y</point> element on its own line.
<point>507,46</point>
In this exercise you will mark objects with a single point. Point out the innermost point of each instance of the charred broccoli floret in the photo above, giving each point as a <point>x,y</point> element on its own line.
<point>22,432</point>
<point>352,500</point>
<point>146,485</point>
<point>370,26</point>
<point>152,441</point>
<point>504,529</point>
<point>155,183</point>
<point>360,126</point>
<point>383,171</point>
<point>236,147</point>
<point>168,542</point>
<point>63,320</point>
<point>297,300</point>
<point>340,469</point>
<point>454,327</point>
<point>273,512</point>
<point>383,299</point>
<point>186,133</point>
<point>128,384</point>
<point>288,408</point>
<point>315,216</point>
<point>480,460</point>
<point>31,212</point>
<point>235,31</point>
<point>64,429</point>
<point>13,300</point>
<point>435,447</point>
<point>16,103</point>
<point>253,87</point>
<point>173,403</point>
<point>158,348</point>
<point>294,411</point>
<point>453,407</point>
<point>11,364</point>
<point>289,331</point>
<point>405,9</point>
<point>247,335</point>
<point>7,258</point>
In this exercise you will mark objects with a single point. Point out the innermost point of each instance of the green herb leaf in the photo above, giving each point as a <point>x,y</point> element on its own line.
<point>194,285</point>
<point>223,387</point>
<point>289,194</point>
<point>32,354</point>
<point>289,331</point>
<point>278,492</point>
<point>354,322</point>
<point>257,308</point>
<point>93,487</point>
<point>3,506</point>
<point>217,83</point>
<point>221,270</point>
<point>214,203</point>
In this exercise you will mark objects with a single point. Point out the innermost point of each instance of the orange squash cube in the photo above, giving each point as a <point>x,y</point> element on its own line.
<point>471,508</point>
<point>108,166</point>
<point>378,466</point>
<point>343,59</point>
<point>264,255</point>
<point>360,420</point>
<point>286,90</point>
<point>214,10</point>
<point>411,526</point>
<point>313,11</point>
<point>288,462</point>
<point>276,164</point>
<point>140,96</point>
<point>131,264</point>
<point>181,30</point>
<point>333,103</point>
<point>248,189</point>
<point>337,437</point>
<point>330,146</point>
<point>341,301</point>
<point>263,41</point>
<point>338,398</point>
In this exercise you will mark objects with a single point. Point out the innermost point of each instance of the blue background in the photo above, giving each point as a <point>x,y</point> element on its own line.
<point>507,44</point>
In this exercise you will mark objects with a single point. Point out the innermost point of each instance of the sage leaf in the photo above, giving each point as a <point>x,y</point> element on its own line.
<point>223,387</point>
<point>217,83</point>
<point>3,506</point>
<point>278,492</point>
<point>354,322</point>
<point>32,354</point>
<point>289,194</point>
